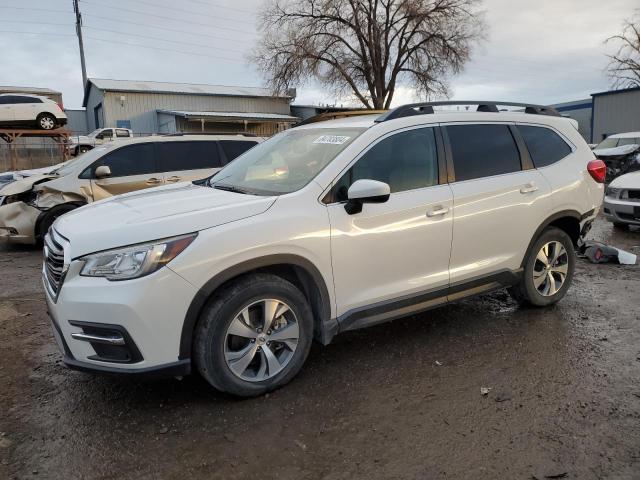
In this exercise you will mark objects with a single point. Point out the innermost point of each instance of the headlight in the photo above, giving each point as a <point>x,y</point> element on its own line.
<point>135,261</point>
<point>613,192</point>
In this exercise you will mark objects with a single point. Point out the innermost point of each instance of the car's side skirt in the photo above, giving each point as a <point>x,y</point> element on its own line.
<point>412,304</point>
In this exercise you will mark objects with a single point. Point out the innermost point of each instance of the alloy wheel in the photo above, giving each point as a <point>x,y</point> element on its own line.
<point>550,268</point>
<point>261,340</point>
<point>47,123</point>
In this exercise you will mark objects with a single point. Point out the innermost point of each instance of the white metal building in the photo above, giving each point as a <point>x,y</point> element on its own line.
<point>161,107</point>
<point>615,111</point>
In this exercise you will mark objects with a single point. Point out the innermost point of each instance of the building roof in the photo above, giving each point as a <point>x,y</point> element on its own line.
<point>613,92</point>
<point>232,115</point>
<point>145,86</point>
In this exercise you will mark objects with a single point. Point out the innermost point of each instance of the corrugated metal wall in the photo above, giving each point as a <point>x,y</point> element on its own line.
<point>77,121</point>
<point>615,113</point>
<point>140,108</point>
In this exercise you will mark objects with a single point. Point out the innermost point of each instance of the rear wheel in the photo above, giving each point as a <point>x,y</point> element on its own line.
<point>548,270</point>
<point>46,121</point>
<point>254,335</point>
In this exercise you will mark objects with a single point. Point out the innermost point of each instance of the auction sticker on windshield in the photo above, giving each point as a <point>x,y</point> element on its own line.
<point>331,139</point>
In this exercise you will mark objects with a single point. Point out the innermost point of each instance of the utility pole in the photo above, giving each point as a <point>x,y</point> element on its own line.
<point>76,9</point>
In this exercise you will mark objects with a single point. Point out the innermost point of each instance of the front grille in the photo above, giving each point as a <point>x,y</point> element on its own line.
<point>54,268</point>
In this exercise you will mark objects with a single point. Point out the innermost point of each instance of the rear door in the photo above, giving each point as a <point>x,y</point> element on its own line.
<point>189,160</point>
<point>133,167</point>
<point>499,200</point>
<point>26,108</point>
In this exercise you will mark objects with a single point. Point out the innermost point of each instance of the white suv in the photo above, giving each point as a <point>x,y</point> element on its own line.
<point>321,229</point>
<point>21,109</point>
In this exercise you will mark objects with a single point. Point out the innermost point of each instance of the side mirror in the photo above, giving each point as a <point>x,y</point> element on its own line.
<point>103,171</point>
<point>366,191</point>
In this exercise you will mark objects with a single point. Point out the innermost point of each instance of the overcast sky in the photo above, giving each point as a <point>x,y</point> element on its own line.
<point>542,51</point>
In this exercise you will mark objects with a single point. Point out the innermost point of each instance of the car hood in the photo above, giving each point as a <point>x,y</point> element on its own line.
<point>615,151</point>
<point>627,181</point>
<point>24,184</point>
<point>153,214</point>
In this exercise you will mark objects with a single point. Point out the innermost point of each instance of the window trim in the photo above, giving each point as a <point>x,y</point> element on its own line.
<point>325,198</point>
<point>525,159</point>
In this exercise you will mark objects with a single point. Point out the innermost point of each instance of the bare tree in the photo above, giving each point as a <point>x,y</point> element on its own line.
<point>367,47</point>
<point>624,65</point>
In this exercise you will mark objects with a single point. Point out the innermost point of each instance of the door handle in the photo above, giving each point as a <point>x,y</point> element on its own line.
<point>173,179</point>
<point>154,181</point>
<point>528,188</point>
<point>437,212</point>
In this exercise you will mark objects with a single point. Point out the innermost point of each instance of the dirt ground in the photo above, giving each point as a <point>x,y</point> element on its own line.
<point>397,401</point>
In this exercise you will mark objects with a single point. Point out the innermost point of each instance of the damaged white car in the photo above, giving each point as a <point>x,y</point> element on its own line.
<point>620,153</point>
<point>30,205</point>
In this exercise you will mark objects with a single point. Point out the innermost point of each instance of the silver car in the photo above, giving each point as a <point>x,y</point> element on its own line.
<point>622,200</point>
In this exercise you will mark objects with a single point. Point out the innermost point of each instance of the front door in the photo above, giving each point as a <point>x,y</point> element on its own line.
<point>396,253</point>
<point>133,167</point>
<point>186,161</point>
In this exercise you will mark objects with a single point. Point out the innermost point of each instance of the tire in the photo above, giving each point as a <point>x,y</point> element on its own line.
<point>229,350</point>
<point>539,284</point>
<point>83,149</point>
<point>620,226</point>
<point>46,121</point>
<point>49,217</point>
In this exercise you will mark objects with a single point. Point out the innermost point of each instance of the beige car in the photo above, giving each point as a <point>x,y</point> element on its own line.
<point>30,205</point>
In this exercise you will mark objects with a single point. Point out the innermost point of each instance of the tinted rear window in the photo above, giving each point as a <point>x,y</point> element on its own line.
<point>545,146</point>
<point>233,149</point>
<point>192,155</point>
<point>482,151</point>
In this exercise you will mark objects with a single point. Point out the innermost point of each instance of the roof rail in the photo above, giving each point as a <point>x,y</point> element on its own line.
<point>426,108</point>
<point>228,134</point>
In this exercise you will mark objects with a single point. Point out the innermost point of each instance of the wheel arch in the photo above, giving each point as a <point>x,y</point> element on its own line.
<point>566,220</point>
<point>293,268</point>
<point>67,206</point>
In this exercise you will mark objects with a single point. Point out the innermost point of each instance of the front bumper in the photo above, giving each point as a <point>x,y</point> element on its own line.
<point>18,222</point>
<point>622,211</point>
<point>147,312</point>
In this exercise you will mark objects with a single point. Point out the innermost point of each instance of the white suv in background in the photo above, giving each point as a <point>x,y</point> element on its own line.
<point>21,109</point>
<point>321,229</point>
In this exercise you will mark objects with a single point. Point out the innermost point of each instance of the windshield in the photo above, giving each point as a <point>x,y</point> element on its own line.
<point>84,159</point>
<point>284,163</point>
<point>94,133</point>
<point>608,143</point>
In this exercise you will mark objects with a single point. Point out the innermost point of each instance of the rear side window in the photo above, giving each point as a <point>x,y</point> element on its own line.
<point>192,155</point>
<point>405,161</point>
<point>482,151</point>
<point>545,146</point>
<point>122,133</point>
<point>129,160</point>
<point>233,149</point>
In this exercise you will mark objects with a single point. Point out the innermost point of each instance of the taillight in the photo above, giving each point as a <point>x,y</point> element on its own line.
<point>61,106</point>
<point>598,170</point>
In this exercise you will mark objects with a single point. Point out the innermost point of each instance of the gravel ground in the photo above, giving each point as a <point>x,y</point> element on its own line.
<point>401,400</point>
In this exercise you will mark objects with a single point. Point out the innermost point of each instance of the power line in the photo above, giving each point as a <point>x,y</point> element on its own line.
<point>164,49</point>
<point>39,33</point>
<point>211,4</point>
<point>158,27</point>
<point>191,12</point>
<point>171,18</point>
<point>36,23</point>
<point>158,38</point>
<point>37,9</point>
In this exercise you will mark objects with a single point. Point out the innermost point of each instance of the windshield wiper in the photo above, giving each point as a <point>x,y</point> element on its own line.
<point>230,188</point>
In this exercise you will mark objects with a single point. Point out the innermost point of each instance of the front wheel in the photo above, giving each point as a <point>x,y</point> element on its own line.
<point>253,336</point>
<point>548,270</point>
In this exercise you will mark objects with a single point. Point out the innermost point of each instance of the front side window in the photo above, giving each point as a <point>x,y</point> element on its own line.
<point>193,155</point>
<point>286,162</point>
<point>129,160</point>
<point>482,151</point>
<point>108,133</point>
<point>545,146</point>
<point>405,161</point>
